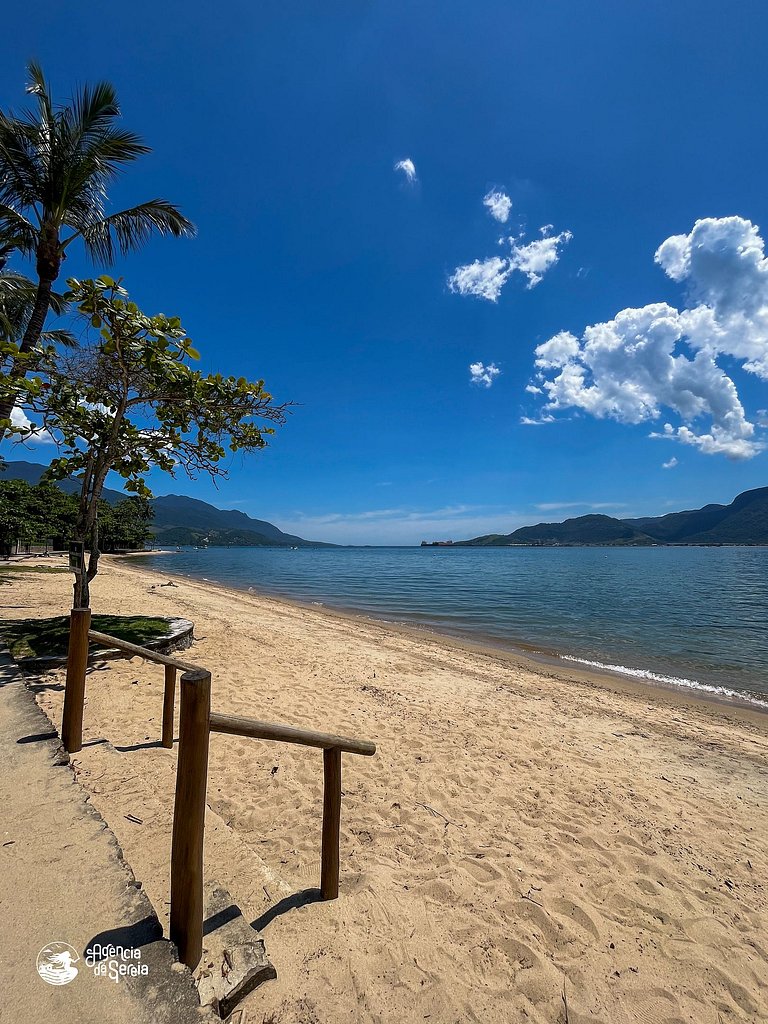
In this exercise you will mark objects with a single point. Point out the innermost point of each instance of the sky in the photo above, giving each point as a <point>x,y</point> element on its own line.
<point>505,258</point>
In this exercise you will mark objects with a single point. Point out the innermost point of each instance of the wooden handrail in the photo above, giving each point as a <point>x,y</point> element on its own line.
<point>74,692</point>
<point>172,665</point>
<point>195,725</point>
<point>330,851</point>
<point>332,747</point>
<point>237,726</point>
<point>187,906</point>
<point>140,652</point>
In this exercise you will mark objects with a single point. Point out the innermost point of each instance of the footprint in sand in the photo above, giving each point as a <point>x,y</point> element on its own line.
<point>574,915</point>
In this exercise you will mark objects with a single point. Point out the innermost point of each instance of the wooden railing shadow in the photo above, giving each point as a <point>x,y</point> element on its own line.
<point>196,723</point>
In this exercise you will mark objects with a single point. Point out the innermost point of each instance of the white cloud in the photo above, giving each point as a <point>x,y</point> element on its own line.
<point>658,357</point>
<point>400,525</point>
<point>20,419</point>
<point>718,442</point>
<point>486,278</point>
<point>557,351</point>
<point>529,421</point>
<point>556,506</point>
<point>98,407</point>
<point>408,168</point>
<point>483,375</point>
<point>669,465</point>
<point>536,258</point>
<point>499,205</point>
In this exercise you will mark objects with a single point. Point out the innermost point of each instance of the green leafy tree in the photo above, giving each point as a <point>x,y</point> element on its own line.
<point>57,162</point>
<point>19,514</point>
<point>56,509</point>
<point>126,524</point>
<point>46,512</point>
<point>129,401</point>
<point>34,513</point>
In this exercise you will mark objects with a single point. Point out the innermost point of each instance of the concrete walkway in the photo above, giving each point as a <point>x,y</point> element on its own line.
<point>63,879</point>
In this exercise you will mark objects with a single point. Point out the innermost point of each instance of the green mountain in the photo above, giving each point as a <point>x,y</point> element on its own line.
<point>744,521</point>
<point>592,529</point>
<point>182,520</point>
<point>178,516</point>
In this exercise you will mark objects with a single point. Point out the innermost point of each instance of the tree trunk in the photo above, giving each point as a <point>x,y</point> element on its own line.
<point>82,586</point>
<point>49,257</point>
<point>87,530</point>
<point>82,590</point>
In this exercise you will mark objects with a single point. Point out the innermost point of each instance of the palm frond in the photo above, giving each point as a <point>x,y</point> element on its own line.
<point>38,87</point>
<point>17,300</point>
<point>129,229</point>
<point>58,303</point>
<point>95,106</point>
<point>93,161</point>
<point>62,337</point>
<point>20,177</point>
<point>114,146</point>
<point>17,296</point>
<point>89,134</point>
<point>16,232</point>
<point>15,287</point>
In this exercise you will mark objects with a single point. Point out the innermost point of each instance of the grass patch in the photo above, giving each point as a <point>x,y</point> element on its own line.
<point>49,638</point>
<point>6,569</point>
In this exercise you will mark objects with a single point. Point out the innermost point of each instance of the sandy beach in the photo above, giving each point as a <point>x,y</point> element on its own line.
<point>525,846</point>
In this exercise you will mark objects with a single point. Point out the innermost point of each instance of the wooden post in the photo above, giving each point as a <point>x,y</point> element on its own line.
<point>329,880</point>
<point>74,693</point>
<point>189,817</point>
<point>169,698</point>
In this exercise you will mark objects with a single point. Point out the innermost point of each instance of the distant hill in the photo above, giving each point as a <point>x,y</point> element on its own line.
<point>32,473</point>
<point>177,515</point>
<point>592,529</point>
<point>744,521</point>
<point>182,520</point>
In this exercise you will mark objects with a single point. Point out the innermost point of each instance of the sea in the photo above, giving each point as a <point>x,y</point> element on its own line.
<point>691,618</point>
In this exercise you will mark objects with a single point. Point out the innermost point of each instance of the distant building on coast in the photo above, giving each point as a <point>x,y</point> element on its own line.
<point>436,543</point>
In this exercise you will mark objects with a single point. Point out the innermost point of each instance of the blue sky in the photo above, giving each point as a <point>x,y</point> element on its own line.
<point>323,269</point>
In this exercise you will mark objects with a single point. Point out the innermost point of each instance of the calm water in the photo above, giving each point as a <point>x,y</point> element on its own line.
<point>685,616</point>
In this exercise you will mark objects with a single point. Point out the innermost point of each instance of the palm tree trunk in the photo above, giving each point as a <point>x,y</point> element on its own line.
<point>49,257</point>
<point>39,313</point>
<point>29,341</point>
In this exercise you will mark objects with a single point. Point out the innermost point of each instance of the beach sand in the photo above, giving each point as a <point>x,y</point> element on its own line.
<point>524,846</point>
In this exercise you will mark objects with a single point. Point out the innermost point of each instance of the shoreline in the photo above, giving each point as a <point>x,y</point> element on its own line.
<point>529,658</point>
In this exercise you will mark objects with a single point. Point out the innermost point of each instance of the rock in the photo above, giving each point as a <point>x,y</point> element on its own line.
<point>234,960</point>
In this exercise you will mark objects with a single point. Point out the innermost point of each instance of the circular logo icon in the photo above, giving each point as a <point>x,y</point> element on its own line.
<point>56,963</point>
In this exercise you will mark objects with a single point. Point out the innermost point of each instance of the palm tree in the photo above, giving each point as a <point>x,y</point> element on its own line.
<point>56,164</point>
<point>17,303</point>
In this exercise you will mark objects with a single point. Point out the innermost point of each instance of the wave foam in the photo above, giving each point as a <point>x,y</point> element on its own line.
<point>656,677</point>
